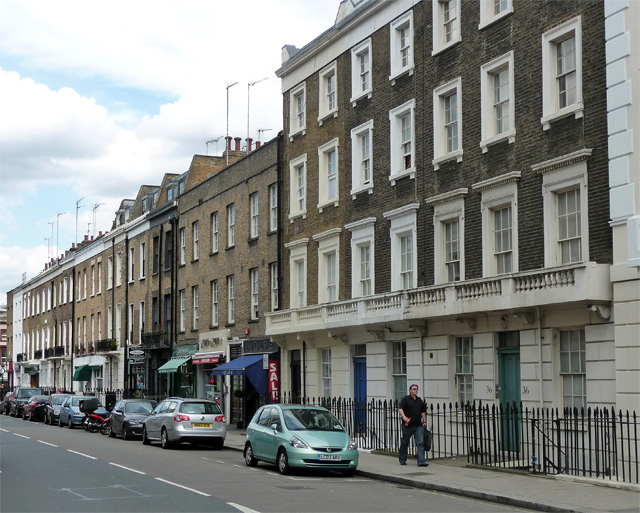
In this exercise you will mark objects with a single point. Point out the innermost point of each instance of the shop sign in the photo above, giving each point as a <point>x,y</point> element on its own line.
<point>197,360</point>
<point>258,346</point>
<point>186,350</point>
<point>273,380</point>
<point>135,354</point>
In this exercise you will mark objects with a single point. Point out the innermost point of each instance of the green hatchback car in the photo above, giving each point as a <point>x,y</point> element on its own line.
<point>296,436</point>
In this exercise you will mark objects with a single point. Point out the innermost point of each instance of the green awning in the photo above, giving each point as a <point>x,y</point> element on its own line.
<point>31,370</point>
<point>173,364</point>
<point>96,367</point>
<point>82,373</point>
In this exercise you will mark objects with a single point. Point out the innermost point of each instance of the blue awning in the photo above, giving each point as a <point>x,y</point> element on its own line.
<point>249,365</point>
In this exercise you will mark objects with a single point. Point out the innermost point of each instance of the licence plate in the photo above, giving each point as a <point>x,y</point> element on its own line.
<point>329,457</point>
<point>200,425</point>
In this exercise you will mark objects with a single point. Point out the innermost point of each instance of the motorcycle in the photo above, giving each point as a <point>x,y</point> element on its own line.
<point>93,423</point>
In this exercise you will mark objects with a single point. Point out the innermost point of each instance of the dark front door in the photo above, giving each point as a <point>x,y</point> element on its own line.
<point>360,392</point>
<point>296,374</point>
<point>509,369</point>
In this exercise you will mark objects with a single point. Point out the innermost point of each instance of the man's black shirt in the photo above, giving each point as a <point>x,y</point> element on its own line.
<point>413,409</point>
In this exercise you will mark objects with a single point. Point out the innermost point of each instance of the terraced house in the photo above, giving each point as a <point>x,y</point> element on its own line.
<point>446,207</point>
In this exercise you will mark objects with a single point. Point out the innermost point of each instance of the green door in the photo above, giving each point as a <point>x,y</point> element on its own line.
<point>509,362</point>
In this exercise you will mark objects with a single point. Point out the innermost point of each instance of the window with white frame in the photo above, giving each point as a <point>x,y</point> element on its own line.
<point>464,370</point>
<point>401,46</point>
<point>573,368</point>
<point>196,240</point>
<point>183,309</point>
<point>361,83</point>
<point>297,107</point>
<point>78,295</point>
<point>399,369</point>
<point>215,232</point>
<point>562,72</point>
<point>231,225</point>
<point>215,305</point>
<point>273,207</point>
<point>93,327</point>
<point>362,257</point>
<point>328,174</point>
<point>273,273</point>
<point>494,10</point>
<point>298,187</point>
<point>118,269</point>
<point>99,277</point>
<point>195,295</point>
<point>132,264</point>
<point>183,246</point>
<point>141,320</point>
<point>447,123</point>
<point>328,272</point>
<point>298,272</point>
<point>328,99</point>
<point>326,372</point>
<point>448,225</point>
<point>84,285</point>
<point>253,200</point>
<point>566,216</point>
<point>231,299</point>
<point>130,323</point>
<point>254,291</point>
<point>402,141</point>
<point>118,324</point>
<point>361,159</point>
<point>143,260</point>
<point>404,259</point>
<point>109,273</point>
<point>446,24</point>
<point>497,106</point>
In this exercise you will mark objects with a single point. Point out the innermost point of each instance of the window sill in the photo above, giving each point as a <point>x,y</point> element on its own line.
<point>484,24</point>
<point>330,114</point>
<point>404,71</point>
<point>141,278</point>
<point>252,240</point>
<point>195,330</point>
<point>229,247</point>
<point>167,269</point>
<point>230,324</point>
<point>411,173</point>
<point>442,48</point>
<point>293,217</point>
<point>509,135</point>
<point>213,253</point>
<point>195,260</point>
<point>322,206</point>
<point>181,265</point>
<point>577,110</point>
<point>272,232</point>
<point>454,155</point>
<point>368,188</point>
<point>368,93</point>
<point>253,321</point>
<point>300,132</point>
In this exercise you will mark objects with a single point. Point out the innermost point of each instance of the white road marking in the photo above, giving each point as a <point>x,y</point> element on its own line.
<point>220,461</point>
<point>82,454</point>
<point>5,430</point>
<point>239,466</point>
<point>22,436</point>
<point>127,468</point>
<point>47,443</point>
<point>183,487</point>
<point>242,508</point>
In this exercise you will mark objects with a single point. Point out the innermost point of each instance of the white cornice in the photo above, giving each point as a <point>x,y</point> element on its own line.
<point>447,196</point>
<point>564,160</point>
<point>497,181</point>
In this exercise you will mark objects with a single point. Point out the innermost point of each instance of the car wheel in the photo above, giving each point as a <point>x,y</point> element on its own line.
<point>70,422</point>
<point>218,444</point>
<point>283,462</point>
<point>60,422</point>
<point>124,432</point>
<point>164,439</point>
<point>112,433</point>
<point>145,438</point>
<point>249,458</point>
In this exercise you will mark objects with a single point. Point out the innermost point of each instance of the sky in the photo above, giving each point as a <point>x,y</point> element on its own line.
<point>99,98</point>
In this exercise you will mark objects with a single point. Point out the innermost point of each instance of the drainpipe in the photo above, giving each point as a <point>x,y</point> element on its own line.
<point>126,318</point>
<point>72,282</point>
<point>304,369</point>
<point>539,334</point>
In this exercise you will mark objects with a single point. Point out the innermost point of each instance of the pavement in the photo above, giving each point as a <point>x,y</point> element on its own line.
<point>513,488</point>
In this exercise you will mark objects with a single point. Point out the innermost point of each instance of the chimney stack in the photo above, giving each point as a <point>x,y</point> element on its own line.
<point>73,245</point>
<point>86,237</point>
<point>258,144</point>
<point>237,140</point>
<point>249,142</point>
<point>228,138</point>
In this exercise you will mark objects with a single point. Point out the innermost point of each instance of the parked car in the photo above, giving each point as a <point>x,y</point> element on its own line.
<point>35,408</point>
<point>20,397</point>
<point>128,416</point>
<point>299,436</point>
<point>177,420</point>
<point>5,407</point>
<point>52,408</point>
<point>70,414</point>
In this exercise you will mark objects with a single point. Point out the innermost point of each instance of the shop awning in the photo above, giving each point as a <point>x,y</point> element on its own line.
<point>173,364</point>
<point>82,373</point>
<point>249,365</point>
<point>200,358</point>
<point>31,370</point>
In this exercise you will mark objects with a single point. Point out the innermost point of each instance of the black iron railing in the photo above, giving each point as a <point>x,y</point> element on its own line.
<point>155,340</point>
<point>599,443</point>
<point>105,345</point>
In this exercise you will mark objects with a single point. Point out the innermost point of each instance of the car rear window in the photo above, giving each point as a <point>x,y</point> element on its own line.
<point>138,407</point>
<point>30,392</point>
<point>58,399</point>
<point>203,407</point>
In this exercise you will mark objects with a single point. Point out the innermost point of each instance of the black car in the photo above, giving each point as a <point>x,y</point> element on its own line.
<point>128,416</point>
<point>35,408</point>
<point>19,399</point>
<point>52,408</point>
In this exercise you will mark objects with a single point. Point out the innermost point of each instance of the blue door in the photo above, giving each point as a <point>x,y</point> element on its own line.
<point>511,425</point>
<point>360,393</point>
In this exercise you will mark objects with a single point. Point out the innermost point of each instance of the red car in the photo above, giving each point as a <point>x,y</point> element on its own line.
<point>35,408</point>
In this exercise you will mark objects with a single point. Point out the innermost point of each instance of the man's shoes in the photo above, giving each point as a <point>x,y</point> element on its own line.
<point>403,463</point>
<point>423,465</point>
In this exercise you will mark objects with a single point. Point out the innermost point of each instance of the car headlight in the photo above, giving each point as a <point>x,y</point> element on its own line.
<point>297,443</point>
<point>134,422</point>
<point>352,445</point>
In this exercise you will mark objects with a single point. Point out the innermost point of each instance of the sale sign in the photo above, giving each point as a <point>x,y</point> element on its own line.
<point>273,380</point>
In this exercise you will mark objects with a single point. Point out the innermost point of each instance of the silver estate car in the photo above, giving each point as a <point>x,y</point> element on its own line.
<point>177,420</point>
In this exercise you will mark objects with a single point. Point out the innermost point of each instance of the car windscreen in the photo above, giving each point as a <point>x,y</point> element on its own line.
<point>58,399</point>
<point>142,407</point>
<point>308,419</point>
<point>203,407</point>
<point>22,394</point>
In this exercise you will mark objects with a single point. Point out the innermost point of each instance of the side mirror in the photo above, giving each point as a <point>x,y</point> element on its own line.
<point>274,427</point>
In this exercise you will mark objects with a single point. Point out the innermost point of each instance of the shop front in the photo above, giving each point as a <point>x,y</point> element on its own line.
<point>180,371</point>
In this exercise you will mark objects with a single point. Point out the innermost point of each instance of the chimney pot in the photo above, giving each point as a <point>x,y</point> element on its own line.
<point>86,237</point>
<point>99,234</point>
<point>258,144</point>
<point>249,141</point>
<point>237,140</point>
<point>73,245</point>
<point>228,138</point>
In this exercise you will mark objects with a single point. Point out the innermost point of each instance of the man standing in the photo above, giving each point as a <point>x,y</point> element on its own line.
<point>414,421</point>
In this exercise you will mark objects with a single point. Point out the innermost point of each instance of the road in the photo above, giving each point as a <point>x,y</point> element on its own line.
<point>47,468</point>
